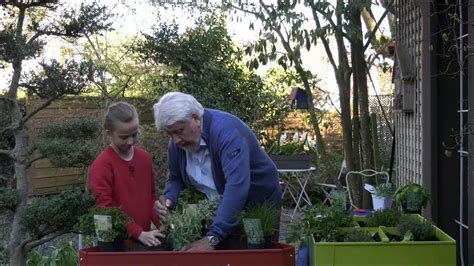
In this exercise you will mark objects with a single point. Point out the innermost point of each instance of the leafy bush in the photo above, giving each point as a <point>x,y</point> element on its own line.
<point>385,217</point>
<point>415,229</point>
<point>9,198</point>
<point>71,143</point>
<point>120,220</point>
<point>55,213</point>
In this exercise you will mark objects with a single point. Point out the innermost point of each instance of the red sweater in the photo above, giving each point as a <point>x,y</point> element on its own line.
<point>129,185</point>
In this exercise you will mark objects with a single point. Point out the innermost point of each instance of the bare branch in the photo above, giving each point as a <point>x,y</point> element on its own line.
<point>30,162</point>
<point>8,153</point>
<point>41,107</point>
<point>324,40</point>
<point>30,243</point>
<point>372,33</point>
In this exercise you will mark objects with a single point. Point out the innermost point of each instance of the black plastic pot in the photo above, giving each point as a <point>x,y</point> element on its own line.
<point>116,245</point>
<point>410,210</point>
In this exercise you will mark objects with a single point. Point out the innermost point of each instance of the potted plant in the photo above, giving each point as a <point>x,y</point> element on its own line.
<point>412,197</point>
<point>383,196</point>
<point>109,226</point>
<point>259,222</point>
<point>294,153</point>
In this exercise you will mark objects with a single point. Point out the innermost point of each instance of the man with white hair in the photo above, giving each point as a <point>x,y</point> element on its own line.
<point>217,154</point>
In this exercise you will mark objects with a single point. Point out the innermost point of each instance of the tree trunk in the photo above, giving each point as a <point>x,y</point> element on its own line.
<point>359,70</point>
<point>20,152</point>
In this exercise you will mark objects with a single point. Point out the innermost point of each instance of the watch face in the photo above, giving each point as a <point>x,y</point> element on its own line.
<point>213,240</point>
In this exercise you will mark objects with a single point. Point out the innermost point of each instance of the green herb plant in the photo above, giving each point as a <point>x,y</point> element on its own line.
<point>186,225</point>
<point>86,226</point>
<point>385,217</point>
<point>385,190</point>
<point>413,196</point>
<point>267,216</point>
<point>414,229</point>
<point>357,235</point>
<point>321,222</point>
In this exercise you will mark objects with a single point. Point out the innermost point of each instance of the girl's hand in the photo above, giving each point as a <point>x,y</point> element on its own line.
<point>150,238</point>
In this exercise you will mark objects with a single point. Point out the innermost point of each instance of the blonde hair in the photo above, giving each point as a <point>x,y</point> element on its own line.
<point>121,112</point>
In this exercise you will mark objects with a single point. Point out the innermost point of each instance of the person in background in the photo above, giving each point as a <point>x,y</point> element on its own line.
<point>122,174</point>
<point>217,154</point>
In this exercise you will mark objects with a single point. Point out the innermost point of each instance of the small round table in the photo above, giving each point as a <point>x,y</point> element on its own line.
<point>302,177</point>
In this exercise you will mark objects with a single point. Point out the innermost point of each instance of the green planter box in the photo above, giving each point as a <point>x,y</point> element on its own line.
<point>420,253</point>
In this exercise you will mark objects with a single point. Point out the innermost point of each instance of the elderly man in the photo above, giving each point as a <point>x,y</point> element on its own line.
<point>215,153</point>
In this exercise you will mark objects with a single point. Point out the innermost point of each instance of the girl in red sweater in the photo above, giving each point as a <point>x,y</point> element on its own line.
<point>122,174</point>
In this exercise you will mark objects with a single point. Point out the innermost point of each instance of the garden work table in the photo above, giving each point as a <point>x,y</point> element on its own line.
<point>298,193</point>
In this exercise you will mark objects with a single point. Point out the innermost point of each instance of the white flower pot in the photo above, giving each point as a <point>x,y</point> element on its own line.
<point>381,203</point>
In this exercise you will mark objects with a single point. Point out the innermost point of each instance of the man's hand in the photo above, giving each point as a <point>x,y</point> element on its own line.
<point>162,206</point>
<point>200,245</point>
<point>150,238</point>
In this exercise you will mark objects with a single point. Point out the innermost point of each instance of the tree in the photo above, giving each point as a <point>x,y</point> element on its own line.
<point>204,61</point>
<point>286,23</point>
<point>23,38</point>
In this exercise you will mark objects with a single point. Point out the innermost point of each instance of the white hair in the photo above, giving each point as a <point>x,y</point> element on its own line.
<point>175,107</point>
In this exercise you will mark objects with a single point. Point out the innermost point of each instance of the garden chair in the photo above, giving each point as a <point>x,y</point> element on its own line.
<point>384,177</point>
<point>327,188</point>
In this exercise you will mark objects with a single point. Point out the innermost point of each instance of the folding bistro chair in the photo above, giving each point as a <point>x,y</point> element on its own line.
<point>327,188</point>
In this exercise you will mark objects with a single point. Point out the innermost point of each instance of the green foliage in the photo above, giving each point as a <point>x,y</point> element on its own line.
<point>204,62</point>
<point>3,256</point>
<point>85,223</point>
<point>321,222</point>
<point>385,190</point>
<point>288,146</point>
<point>338,198</point>
<point>70,144</point>
<point>189,196</point>
<point>9,198</point>
<point>357,235</point>
<point>56,79</point>
<point>55,213</point>
<point>65,255</point>
<point>413,195</point>
<point>385,217</point>
<point>188,224</point>
<point>12,47</point>
<point>414,229</point>
<point>267,216</point>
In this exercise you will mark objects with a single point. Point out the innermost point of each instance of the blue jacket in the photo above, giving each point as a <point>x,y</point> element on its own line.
<point>243,173</point>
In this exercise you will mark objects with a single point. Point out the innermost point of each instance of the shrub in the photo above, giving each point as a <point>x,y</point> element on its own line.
<point>55,213</point>
<point>71,143</point>
<point>9,198</point>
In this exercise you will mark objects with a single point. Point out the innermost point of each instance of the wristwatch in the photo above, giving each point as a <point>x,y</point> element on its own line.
<point>213,241</point>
